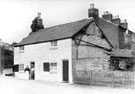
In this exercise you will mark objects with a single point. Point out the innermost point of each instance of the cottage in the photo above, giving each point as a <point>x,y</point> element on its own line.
<point>59,52</point>
<point>76,52</point>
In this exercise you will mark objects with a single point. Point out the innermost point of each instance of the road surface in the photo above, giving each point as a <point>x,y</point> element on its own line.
<point>11,85</point>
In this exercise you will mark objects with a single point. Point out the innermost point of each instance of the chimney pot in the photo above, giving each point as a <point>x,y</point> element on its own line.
<point>91,6</point>
<point>125,20</point>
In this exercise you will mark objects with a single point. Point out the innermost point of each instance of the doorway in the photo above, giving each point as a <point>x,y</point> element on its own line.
<point>32,70</point>
<point>65,70</point>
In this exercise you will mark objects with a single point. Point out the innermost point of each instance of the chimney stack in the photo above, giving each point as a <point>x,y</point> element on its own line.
<point>91,6</point>
<point>37,23</point>
<point>93,12</point>
<point>116,20</point>
<point>124,24</point>
<point>107,16</point>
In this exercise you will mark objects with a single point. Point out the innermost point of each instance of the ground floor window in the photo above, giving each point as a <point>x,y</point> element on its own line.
<point>46,66</point>
<point>16,68</point>
<point>21,67</point>
<point>50,67</point>
<point>53,67</point>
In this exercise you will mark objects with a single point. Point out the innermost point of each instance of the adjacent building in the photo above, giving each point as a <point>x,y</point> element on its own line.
<point>6,59</point>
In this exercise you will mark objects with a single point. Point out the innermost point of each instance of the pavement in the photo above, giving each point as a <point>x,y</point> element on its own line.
<point>11,85</point>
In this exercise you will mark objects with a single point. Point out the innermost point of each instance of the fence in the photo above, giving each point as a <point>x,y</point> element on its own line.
<point>106,78</point>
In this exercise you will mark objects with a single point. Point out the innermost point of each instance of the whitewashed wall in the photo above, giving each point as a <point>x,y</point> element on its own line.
<point>43,52</point>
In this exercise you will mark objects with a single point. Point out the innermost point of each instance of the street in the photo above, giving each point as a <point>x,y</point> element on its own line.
<point>10,85</point>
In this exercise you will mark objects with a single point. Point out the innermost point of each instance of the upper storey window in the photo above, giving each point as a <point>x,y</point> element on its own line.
<point>21,48</point>
<point>53,43</point>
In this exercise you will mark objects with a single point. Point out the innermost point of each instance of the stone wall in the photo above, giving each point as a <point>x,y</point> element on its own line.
<point>96,59</point>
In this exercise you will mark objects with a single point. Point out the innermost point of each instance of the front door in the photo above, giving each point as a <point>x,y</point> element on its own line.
<point>65,71</point>
<point>32,70</point>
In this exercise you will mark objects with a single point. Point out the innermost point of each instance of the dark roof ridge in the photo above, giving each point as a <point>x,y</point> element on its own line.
<point>69,23</point>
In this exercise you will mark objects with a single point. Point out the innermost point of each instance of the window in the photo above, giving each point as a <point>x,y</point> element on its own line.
<point>54,43</point>
<point>21,47</point>
<point>53,67</point>
<point>46,66</point>
<point>21,67</point>
<point>16,68</point>
<point>50,67</point>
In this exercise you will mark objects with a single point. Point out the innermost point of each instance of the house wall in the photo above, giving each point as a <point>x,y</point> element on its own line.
<point>97,60</point>
<point>0,63</point>
<point>87,57</point>
<point>43,52</point>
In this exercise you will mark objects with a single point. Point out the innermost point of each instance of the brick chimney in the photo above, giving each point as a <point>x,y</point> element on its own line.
<point>93,12</point>
<point>116,20</point>
<point>107,16</point>
<point>124,24</point>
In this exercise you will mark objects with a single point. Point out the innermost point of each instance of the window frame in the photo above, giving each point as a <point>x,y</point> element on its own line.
<point>21,67</point>
<point>21,48</point>
<point>54,43</point>
<point>53,67</point>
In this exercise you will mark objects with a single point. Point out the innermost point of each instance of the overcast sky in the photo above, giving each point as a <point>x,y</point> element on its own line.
<point>17,15</point>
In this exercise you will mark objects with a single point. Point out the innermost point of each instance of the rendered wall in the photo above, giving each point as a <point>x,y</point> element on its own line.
<point>43,52</point>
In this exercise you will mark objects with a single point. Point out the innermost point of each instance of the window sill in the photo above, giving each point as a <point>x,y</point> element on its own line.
<point>53,48</point>
<point>53,72</point>
<point>21,51</point>
<point>21,71</point>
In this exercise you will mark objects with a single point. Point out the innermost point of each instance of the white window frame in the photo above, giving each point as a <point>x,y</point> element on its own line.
<point>21,67</point>
<point>53,67</point>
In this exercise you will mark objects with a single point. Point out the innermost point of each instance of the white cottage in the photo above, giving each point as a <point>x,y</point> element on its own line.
<point>55,51</point>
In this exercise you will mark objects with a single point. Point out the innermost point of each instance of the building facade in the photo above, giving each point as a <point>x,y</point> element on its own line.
<point>81,44</point>
<point>6,59</point>
<point>89,50</point>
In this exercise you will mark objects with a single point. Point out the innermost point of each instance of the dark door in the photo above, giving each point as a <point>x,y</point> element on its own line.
<point>65,71</point>
<point>32,70</point>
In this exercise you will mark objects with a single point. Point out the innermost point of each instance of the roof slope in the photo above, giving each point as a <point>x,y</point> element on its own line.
<point>55,32</point>
<point>68,30</point>
<point>110,30</point>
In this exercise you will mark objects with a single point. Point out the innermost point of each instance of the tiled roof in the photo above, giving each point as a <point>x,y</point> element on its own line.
<point>122,53</point>
<point>55,32</point>
<point>110,30</point>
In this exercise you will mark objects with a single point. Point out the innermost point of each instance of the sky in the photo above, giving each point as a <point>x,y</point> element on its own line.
<point>17,15</point>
